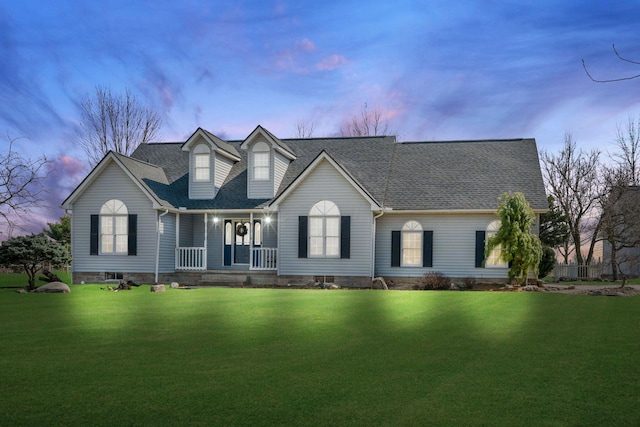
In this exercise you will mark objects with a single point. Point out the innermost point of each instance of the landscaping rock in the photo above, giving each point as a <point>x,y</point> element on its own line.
<point>157,288</point>
<point>174,285</point>
<point>531,288</point>
<point>21,291</point>
<point>454,287</point>
<point>54,288</point>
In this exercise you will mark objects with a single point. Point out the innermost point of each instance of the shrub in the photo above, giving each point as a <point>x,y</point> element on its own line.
<point>433,281</point>
<point>547,262</point>
<point>469,282</point>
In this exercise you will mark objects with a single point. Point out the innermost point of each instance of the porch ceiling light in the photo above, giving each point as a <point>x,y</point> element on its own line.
<point>216,220</point>
<point>267,219</point>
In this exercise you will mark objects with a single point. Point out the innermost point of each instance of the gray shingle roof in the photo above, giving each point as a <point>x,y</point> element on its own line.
<point>455,175</point>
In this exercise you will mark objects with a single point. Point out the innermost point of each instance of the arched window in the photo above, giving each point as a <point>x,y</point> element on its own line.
<point>412,244</point>
<point>261,157</point>
<point>114,227</point>
<point>494,258</point>
<point>201,163</point>
<point>324,230</point>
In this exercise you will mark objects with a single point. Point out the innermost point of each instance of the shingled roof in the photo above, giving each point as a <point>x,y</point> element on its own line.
<point>432,176</point>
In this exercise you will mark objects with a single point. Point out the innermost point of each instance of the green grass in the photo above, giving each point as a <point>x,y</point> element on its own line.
<point>21,280</point>
<point>303,357</point>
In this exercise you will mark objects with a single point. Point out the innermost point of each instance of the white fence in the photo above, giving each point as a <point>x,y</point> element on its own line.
<point>577,271</point>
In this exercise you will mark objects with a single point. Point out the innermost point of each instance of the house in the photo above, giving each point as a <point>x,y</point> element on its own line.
<point>285,211</point>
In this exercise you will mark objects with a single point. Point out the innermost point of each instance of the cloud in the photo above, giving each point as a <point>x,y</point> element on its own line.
<point>332,62</point>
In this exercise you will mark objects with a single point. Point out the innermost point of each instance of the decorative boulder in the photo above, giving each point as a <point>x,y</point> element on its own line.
<point>531,288</point>
<point>54,288</point>
<point>174,285</point>
<point>21,291</point>
<point>157,288</point>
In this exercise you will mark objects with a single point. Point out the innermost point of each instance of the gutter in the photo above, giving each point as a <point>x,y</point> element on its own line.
<point>166,211</point>
<point>373,244</point>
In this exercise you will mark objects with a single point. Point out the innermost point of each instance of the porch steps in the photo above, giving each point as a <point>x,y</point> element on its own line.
<point>237,279</point>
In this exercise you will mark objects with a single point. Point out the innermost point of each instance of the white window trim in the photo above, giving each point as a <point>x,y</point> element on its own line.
<point>263,150</point>
<point>411,228</point>
<point>323,210</point>
<point>201,151</point>
<point>112,210</point>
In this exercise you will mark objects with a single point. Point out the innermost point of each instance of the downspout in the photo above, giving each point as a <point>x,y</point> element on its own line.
<point>373,244</point>
<point>166,211</point>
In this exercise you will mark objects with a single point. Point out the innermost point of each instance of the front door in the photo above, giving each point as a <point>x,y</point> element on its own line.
<point>242,241</point>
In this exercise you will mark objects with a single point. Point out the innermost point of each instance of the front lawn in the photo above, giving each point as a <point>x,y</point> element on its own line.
<point>305,357</point>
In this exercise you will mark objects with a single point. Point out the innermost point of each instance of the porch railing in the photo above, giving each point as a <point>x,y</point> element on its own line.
<point>191,258</point>
<point>264,259</point>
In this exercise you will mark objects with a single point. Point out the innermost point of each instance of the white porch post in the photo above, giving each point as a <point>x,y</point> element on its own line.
<point>206,224</point>
<point>251,230</point>
<point>177,255</point>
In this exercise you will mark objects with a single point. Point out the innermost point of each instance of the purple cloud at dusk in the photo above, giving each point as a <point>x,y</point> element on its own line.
<point>438,70</point>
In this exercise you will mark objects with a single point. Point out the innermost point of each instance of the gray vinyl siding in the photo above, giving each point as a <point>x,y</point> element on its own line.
<point>280,164</point>
<point>262,189</point>
<point>221,171</point>
<point>453,245</point>
<point>325,183</point>
<point>186,230</point>
<point>201,189</point>
<point>113,183</point>
<point>167,244</point>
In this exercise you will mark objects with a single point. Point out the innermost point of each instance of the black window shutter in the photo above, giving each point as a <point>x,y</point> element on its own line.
<point>395,249</point>
<point>345,237</point>
<point>93,245</point>
<point>427,248</point>
<point>480,237</point>
<point>133,235</point>
<point>302,236</point>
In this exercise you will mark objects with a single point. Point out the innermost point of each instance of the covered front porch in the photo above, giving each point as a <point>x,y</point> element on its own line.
<point>238,241</point>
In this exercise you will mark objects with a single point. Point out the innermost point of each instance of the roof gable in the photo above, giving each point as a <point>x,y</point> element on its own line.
<point>215,144</point>
<point>276,143</point>
<point>311,167</point>
<point>137,171</point>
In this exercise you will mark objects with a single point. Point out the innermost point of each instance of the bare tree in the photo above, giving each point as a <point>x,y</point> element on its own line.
<point>584,65</point>
<point>628,156</point>
<point>20,189</point>
<point>368,123</point>
<point>304,129</point>
<point>572,179</point>
<point>116,122</point>
<point>620,218</point>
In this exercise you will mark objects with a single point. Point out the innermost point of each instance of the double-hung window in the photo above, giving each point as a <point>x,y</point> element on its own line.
<point>412,244</point>
<point>201,163</point>
<point>494,258</point>
<point>324,230</point>
<point>114,228</point>
<point>261,157</point>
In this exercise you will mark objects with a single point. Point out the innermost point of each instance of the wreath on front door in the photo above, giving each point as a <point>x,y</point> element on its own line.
<point>241,230</point>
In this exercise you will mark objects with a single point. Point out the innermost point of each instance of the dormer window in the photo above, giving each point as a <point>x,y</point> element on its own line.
<point>201,163</point>
<point>261,157</point>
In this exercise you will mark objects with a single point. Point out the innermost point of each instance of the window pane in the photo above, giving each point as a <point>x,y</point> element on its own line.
<point>121,244</point>
<point>315,246</point>
<point>107,243</point>
<point>333,226</point>
<point>315,227</point>
<point>333,246</point>
<point>257,239</point>
<point>260,165</point>
<point>121,224</point>
<point>106,225</point>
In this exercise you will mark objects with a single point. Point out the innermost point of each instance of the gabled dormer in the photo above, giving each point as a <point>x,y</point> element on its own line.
<point>267,161</point>
<point>210,160</point>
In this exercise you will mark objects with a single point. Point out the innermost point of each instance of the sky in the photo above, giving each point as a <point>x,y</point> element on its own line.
<point>438,70</point>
